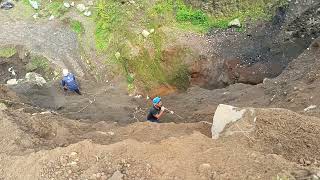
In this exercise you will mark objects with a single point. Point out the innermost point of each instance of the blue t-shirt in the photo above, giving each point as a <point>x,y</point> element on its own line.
<point>70,82</point>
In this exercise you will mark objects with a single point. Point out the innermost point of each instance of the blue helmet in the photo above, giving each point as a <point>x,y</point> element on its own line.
<point>156,100</point>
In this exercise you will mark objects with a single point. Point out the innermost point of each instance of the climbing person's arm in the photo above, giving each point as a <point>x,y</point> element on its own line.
<point>158,116</point>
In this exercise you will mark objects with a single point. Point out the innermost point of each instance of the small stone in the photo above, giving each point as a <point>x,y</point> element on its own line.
<point>69,171</point>
<point>235,23</point>
<point>67,5</point>
<point>87,13</point>
<point>117,55</point>
<point>51,18</point>
<point>111,133</point>
<point>81,7</point>
<point>145,33</point>
<point>98,175</point>
<point>132,2</point>
<point>2,107</point>
<point>35,16</point>
<point>151,31</point>
<point>72,4</point>
<point>73,163</point>
<point>34,4</point>
<point>73,153</point>
<point>90,3</point>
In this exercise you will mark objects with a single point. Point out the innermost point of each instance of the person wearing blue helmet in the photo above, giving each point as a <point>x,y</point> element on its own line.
<point>69,82</point>
<point>156,111</point>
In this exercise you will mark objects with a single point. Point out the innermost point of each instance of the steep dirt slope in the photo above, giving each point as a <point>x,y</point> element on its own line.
<point>46,146</point>
<point>296,89</point>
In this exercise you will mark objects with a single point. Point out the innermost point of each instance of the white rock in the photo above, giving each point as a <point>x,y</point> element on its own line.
<point>35,78</point>
<point>35,16</point>
<point>151,31</point>
<point>2,107</point>
<point>73,153</point>
<point>132,2</point>
<point>87,13</point>
<point>12,71</point>
<point>111,133</point>
<point>34,4</point>
<point>224,115</point>
<point>81,7</point>
<point>67,5</point>
<point>145,33</point>
<point>90,3</point>
<point>310,108</point>
<point>117,55</point>
<point>235,23</point>
<point>12,82</point>
<point>51,18</point>
<point>72,3</point>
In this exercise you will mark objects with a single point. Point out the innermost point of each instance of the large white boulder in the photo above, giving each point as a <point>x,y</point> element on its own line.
<point>12,82</point>
<point>35,78</point>
<point>224,115</point>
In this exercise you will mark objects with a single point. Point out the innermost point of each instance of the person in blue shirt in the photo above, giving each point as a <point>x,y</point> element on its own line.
<point>156,111</point>
<point>69,82</point>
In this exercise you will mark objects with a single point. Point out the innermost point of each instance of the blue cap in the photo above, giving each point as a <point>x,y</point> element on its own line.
<point>156,100</point>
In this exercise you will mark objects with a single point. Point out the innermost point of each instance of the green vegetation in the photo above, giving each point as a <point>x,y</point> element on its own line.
<point>37,63</point>
<point>55,8</point>
<point>143,60</point>
<point>42,66</point>
<point>7,52</point>
<point>77,27</point>
<point>192,18</point>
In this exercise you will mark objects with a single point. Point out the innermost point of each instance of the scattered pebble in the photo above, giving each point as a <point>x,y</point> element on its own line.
<point>51,18</point>
<point>81,7</point>
<point>87,13</point>
<point>310,108</point>
<point>67,5</point>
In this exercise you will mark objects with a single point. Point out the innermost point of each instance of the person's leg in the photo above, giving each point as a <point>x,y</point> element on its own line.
<point>78,91</point>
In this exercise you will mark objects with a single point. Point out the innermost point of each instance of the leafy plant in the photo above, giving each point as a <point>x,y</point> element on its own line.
<point>77,27</point>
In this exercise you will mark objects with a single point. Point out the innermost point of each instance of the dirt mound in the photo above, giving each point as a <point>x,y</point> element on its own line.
<point>45,146</point>
<point>288,134</point>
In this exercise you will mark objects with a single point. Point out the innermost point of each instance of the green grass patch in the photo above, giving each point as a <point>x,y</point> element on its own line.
<point>41,65</point>
<point>55,8</point>
<point>37,63</point>
<point>77,27</point>
<point>7,52</point>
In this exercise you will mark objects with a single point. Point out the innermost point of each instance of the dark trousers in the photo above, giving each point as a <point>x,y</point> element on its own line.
<point>77,91</point>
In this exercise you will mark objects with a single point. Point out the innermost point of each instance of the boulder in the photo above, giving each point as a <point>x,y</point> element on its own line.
<point>224,115</point>
<point>11,82</point>
<point>81,7</point>
<point>35,78</point>
<point>235,23</point>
